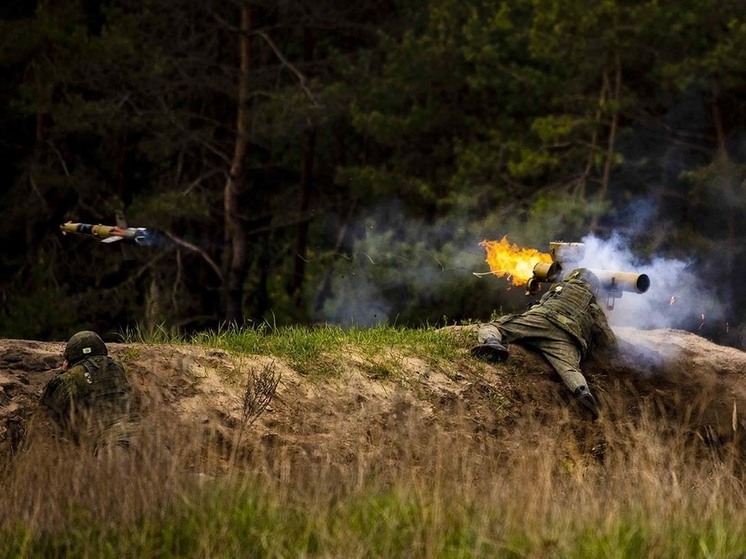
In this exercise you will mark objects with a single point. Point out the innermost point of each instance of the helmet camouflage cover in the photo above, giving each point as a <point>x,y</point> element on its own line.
<point>84,344</point>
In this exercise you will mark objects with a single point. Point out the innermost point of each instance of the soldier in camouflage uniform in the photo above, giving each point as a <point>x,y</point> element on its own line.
<point>91,397</point>
<point>564,326</point>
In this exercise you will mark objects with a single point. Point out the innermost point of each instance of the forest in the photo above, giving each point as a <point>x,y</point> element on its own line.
<point>320,161</point>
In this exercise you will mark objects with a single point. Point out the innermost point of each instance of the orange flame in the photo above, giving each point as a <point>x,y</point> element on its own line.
<point>506,259</point>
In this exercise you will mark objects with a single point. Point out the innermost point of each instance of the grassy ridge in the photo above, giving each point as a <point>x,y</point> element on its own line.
<point>300,343</point>
<point>654,493</point>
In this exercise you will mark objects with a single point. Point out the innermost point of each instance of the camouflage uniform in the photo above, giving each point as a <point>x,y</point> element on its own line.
<point>564,326</point>
<point>91,398</point>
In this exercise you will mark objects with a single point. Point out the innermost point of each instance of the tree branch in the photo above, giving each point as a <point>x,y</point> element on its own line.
<point>291,67</point>
<point>195,248</point>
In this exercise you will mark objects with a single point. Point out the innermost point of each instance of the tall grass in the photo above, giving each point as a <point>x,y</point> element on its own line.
<point>648,496</point>
<point>643,488</point>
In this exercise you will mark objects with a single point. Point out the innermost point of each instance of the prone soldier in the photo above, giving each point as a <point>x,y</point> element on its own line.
<point>564,326</point>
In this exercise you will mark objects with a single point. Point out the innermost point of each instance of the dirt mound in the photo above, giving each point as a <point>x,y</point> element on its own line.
<point>677,378</point>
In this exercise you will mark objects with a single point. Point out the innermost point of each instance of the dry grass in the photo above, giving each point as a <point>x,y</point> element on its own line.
<point>642,488</point>
<point>260,388</point>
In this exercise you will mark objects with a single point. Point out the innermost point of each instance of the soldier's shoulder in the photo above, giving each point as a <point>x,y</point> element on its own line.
<point>113,369</point>
<point>74,373</point>
<point>113,363</point>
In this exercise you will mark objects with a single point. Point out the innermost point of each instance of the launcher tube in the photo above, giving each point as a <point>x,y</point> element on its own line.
<point>623,281</point>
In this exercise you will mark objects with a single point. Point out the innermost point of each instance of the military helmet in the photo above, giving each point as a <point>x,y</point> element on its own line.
<point>584,274</point>
<point>84,344</point>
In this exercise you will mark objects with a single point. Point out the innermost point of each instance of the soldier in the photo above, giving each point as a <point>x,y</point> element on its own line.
<point>564,326</point>
<point>90,397</point>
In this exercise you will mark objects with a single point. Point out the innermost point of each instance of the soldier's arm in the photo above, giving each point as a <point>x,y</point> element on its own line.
<point>52,396</point>
<point>59,393</point>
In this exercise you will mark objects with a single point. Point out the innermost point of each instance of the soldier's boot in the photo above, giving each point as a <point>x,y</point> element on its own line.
<point>491,349</point>
<point>586,399</point>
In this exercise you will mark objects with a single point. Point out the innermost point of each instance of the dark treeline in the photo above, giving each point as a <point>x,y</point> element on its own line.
<point>318,160</point>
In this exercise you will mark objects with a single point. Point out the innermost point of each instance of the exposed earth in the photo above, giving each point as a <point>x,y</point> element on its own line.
<point>674,377</point>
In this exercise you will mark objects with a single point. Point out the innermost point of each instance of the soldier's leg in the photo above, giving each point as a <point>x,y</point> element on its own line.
<point>516,328</point>
<point>564,356</point>
<point>489,330</point>
<point>490,346</point>
<point>555,344</point>
<point>494,337</point>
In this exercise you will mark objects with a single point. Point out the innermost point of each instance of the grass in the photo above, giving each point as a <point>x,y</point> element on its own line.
<point>300,343</point>
<point>246,521</point>
<point>648,498</point>
<point>618,514</point>
<point>308,348</point>
<point>656,492</point>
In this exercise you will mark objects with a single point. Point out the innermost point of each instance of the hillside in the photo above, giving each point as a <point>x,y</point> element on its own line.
<point>354,407</point>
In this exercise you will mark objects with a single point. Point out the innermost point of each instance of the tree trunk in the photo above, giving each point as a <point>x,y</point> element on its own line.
<point>295,289</point>
<point>722,159</point>
<point>263,263</point>
<point>325,291</point>
<point>580,187</point>
<point>611,142</point>
<point>235,247</point>
<point>301,241</point>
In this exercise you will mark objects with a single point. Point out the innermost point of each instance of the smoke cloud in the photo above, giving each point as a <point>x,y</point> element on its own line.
<point>677,298</point>
<point>396,262</point>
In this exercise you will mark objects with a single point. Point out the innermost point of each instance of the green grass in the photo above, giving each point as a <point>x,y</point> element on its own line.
<point>246,520</point>
<point>304,342</point>
<point>314,350</point>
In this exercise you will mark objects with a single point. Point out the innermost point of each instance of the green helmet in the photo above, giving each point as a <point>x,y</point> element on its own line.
<point>584,274</point>
<point>84,344</point>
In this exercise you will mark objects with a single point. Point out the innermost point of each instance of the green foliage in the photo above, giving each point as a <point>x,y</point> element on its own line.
<point>537,118</point>
<point>532,164</point>
<point>563,213</point>
<point>25,317</point>
<point>713,50</point>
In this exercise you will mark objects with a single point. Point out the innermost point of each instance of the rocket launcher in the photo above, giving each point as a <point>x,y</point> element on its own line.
<point>567,256</point>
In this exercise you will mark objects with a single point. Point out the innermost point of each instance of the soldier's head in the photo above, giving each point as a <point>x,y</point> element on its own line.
<point>84,344</point>
<point>585,275</point>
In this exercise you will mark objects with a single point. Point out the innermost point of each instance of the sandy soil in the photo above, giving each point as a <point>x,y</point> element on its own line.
<point>353,414</point>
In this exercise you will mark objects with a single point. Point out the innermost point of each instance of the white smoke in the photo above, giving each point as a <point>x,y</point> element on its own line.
<point>396,259</point>
<point>677,298</point>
